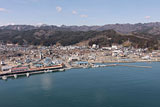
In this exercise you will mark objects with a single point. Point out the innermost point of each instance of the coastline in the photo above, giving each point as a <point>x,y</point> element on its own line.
<point>124,61</point>
<point>104,64</point>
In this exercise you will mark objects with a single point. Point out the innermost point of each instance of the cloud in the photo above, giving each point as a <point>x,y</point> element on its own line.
<point>147,17</point>
<point>83,16</point>
<point>2,10</point>
<point>59,9</point>
<point>74,12</point>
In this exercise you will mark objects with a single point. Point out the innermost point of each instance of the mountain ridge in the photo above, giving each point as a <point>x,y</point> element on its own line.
<point>121,28</point>
<point>140,35</point>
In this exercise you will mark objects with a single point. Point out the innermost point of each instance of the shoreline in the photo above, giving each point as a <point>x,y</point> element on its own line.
<point>111,64</point>
<point>123,61</point>
<point>108,64</point>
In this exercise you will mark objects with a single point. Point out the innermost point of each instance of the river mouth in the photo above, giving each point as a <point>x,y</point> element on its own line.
<point>94,87</point>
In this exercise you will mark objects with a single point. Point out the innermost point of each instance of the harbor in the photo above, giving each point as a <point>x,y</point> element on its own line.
<point>60,68</point>
<point>16,60</point>
<point>77,87</point>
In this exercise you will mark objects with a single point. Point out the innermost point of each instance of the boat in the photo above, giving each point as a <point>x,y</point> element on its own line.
<point>15,76</point>
<point>27,74</point>
<point>61,69</point>
<point>4,77</point>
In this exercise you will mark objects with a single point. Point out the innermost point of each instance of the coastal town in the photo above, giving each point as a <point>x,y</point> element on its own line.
<point>16,58</point>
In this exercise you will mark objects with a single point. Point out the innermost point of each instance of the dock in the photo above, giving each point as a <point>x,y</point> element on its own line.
<point>15,72</point>
<point>27,74</point>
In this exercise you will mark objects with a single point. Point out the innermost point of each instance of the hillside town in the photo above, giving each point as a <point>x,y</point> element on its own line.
<point>14,56</point>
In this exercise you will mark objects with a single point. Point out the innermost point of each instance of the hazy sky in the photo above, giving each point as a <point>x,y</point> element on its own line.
<point>78,12</point>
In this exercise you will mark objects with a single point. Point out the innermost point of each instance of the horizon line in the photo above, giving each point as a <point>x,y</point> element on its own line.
<point>43,24</point>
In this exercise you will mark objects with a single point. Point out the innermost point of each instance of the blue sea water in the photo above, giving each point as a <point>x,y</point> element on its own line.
<point>95,87</point>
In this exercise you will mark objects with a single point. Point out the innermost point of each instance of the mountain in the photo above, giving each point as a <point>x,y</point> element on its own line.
<point>31,27</point>
<point>139,35</point>
<point>151,28</point>
<point>49,37</point>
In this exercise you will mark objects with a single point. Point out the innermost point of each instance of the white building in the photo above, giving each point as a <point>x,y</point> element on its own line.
<point>5,68</point>
<point>94,46</point>
<point>114,47</point>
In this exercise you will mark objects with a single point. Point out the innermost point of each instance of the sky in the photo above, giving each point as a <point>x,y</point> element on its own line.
<point>78,12</point>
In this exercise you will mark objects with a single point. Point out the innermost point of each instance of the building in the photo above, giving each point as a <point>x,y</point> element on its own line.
<point>94,46</point>
<point>114,47</point>
<point>80,63</point>
<point>5,68</point>
<point>19,69</point>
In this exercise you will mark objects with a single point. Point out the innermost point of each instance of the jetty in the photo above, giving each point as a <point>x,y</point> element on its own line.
<point>110,65</point>
<point>136,66</point>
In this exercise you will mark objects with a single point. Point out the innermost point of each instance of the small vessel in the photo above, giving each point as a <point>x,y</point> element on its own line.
<point>85,67</point>
<point>61,69</point>
<point>4,78</point>
<point>27,74</point>
<point>96,66</point>
<point>49,70</point>
<point>45,71</point>
<point>15,76</point>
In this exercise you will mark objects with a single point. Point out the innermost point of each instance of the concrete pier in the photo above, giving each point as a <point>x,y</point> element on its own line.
<point>27,74</point>
<point>136,66</point>
<point>110,65</point>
